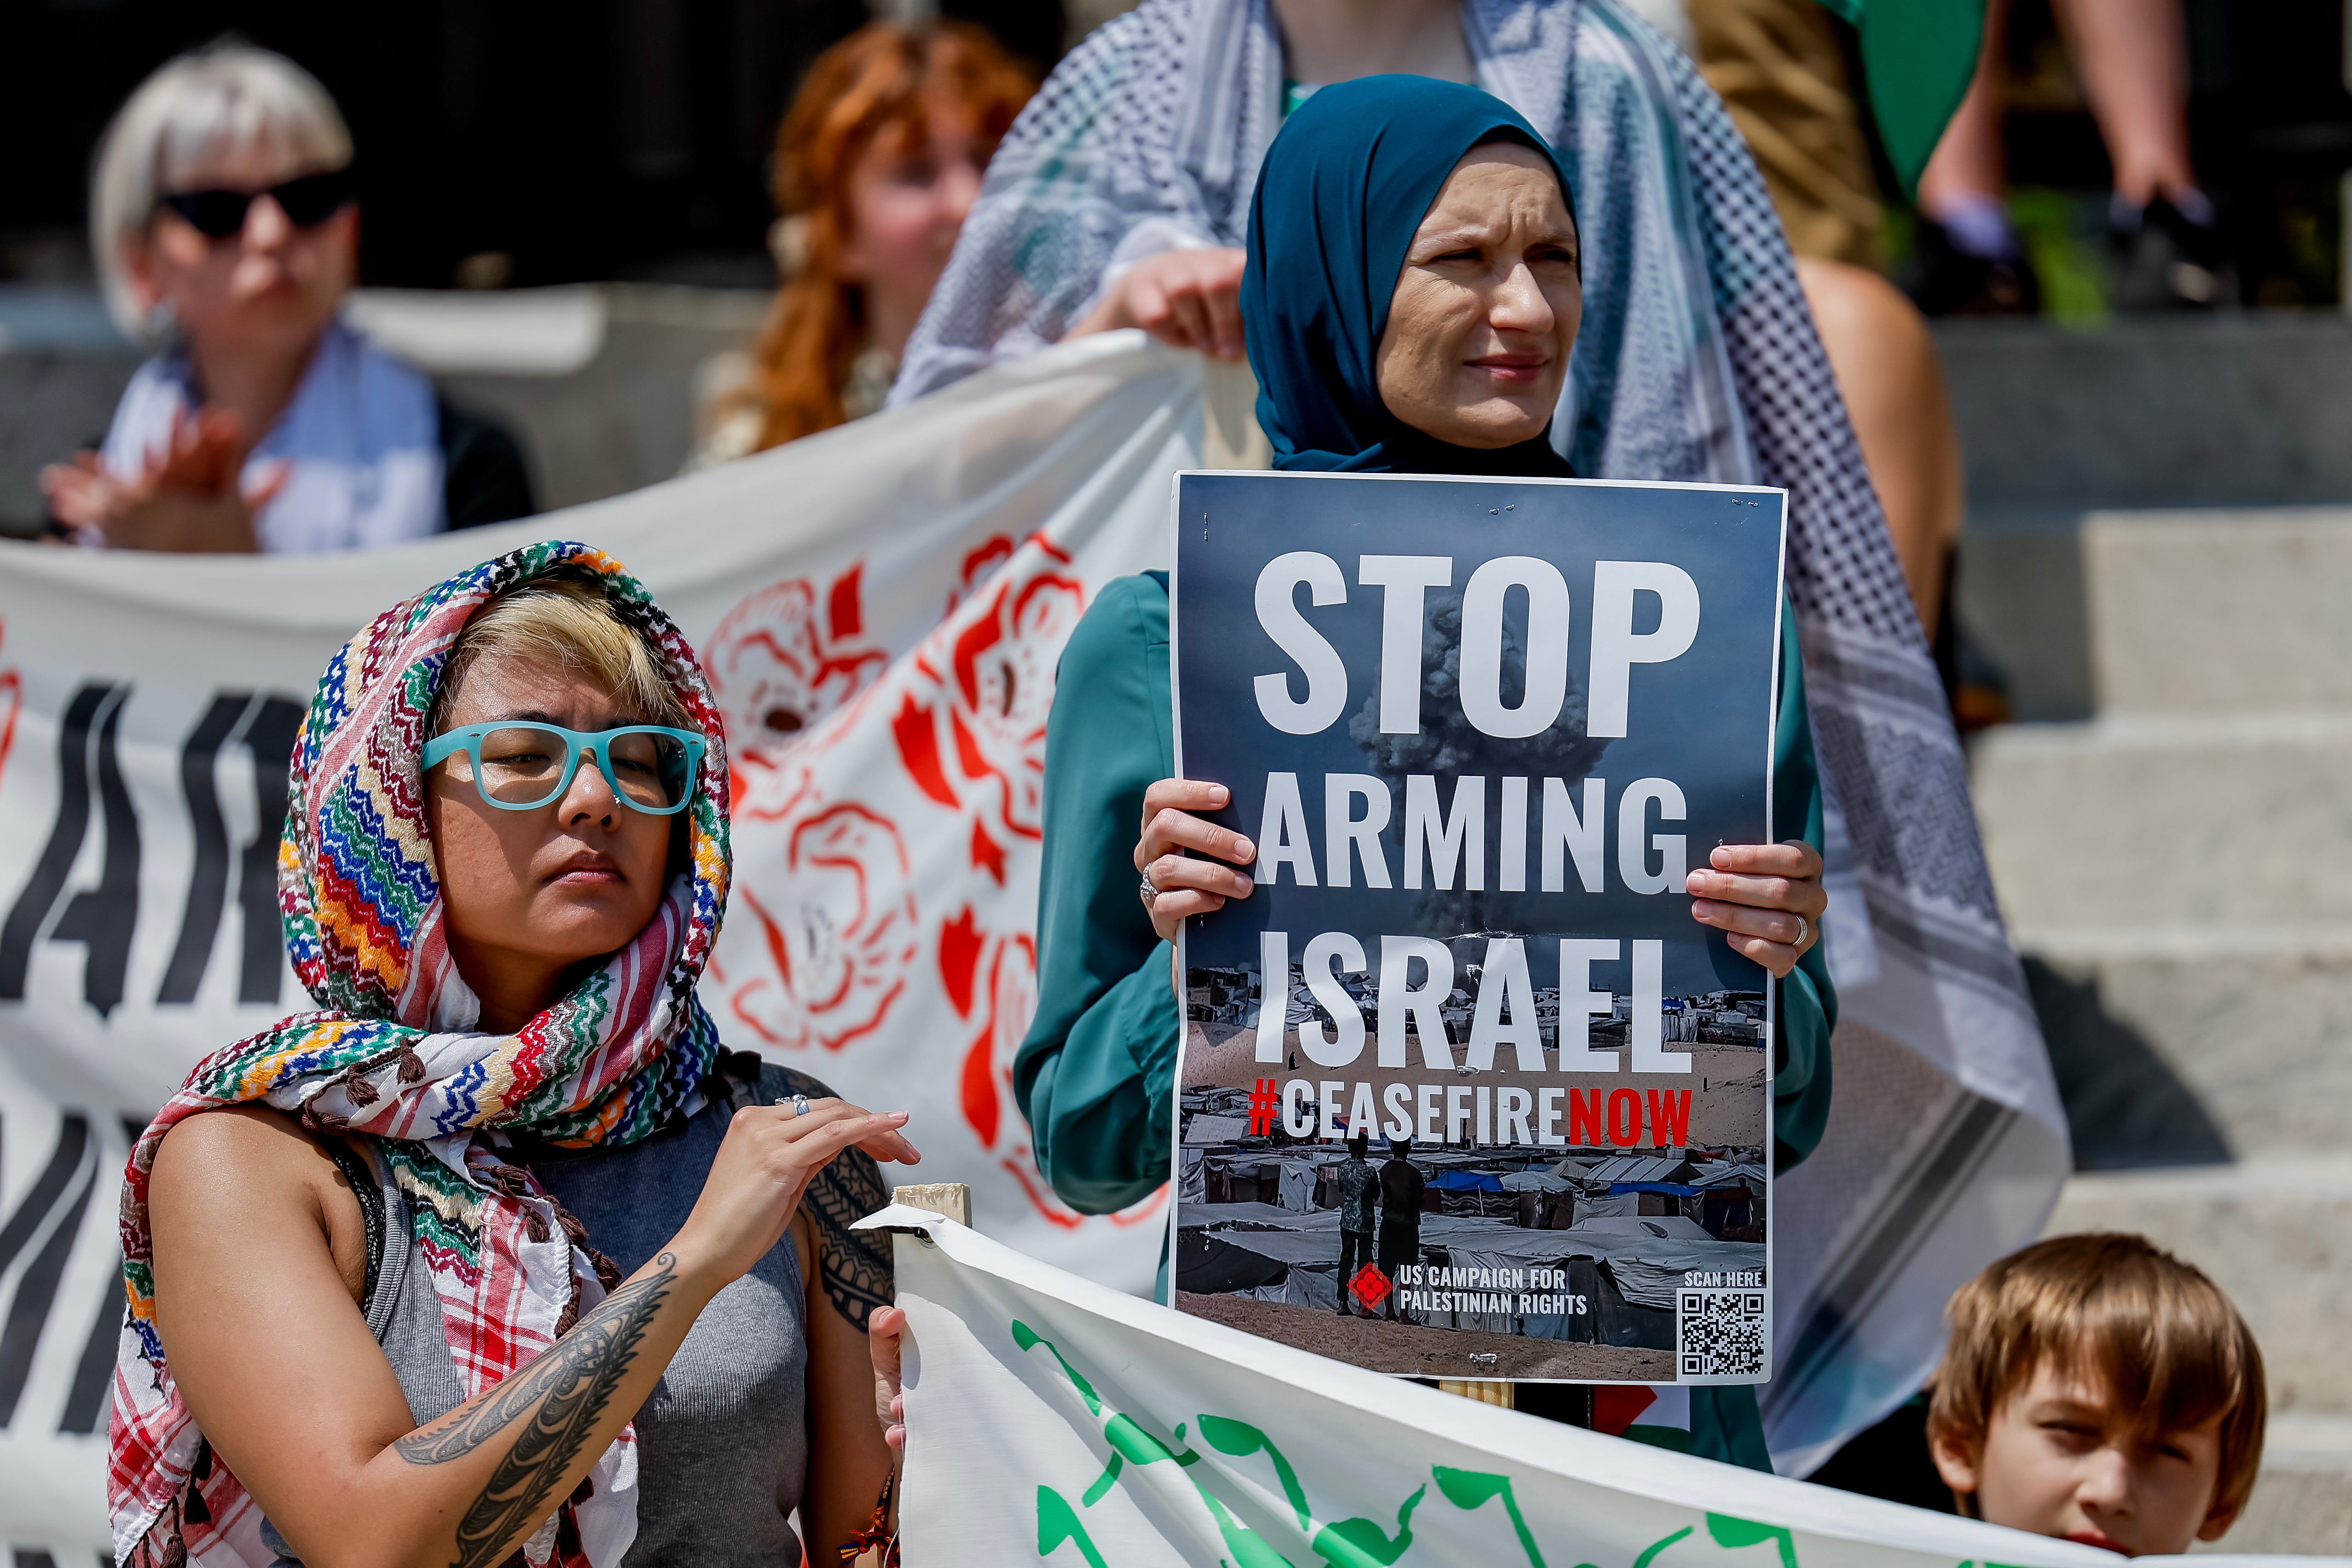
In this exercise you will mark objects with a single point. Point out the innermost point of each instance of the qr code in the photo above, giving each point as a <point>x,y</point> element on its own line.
<point>1720,1334</point>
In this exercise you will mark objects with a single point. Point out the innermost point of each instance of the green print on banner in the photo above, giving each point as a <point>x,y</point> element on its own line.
<point>1350,1542</point>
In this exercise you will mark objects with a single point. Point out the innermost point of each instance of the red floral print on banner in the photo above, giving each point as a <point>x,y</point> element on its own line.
<point>788,655</point>
<point>839,931</point>
<point>992,982</point>
<point>976,741</point>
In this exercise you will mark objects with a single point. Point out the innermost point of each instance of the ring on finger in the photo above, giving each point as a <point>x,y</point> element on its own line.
<point>1803,931</point>
<point>800,1106</point>
<point>1148,891</point>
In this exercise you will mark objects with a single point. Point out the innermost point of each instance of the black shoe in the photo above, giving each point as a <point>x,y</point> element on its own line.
<point>2164,261</point>
<point>1942,279</point>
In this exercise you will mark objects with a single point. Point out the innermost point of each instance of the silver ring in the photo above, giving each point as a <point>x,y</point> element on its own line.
<point>1803,931</point>
<point>1149,893</point>
<point>800,1104</point>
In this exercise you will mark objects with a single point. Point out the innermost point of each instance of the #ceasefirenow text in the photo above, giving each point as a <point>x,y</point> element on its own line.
<point>1547,1116</point>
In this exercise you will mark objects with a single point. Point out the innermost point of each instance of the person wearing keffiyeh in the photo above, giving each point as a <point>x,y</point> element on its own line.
<point>1697,361</point>
<point>367,1321</point>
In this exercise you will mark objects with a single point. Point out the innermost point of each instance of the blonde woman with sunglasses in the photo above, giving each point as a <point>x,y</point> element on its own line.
<point>224,223</point>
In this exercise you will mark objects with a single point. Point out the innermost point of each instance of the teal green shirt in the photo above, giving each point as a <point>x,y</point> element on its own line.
<point>1096,1074</point>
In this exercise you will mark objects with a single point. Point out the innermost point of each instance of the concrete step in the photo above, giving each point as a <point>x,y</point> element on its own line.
<point>2188,1045</point>
<point>2160,612</point>
<point>2275,1231</point>
<point>2220,612</point>
<point>2241,408</point>
<point>2223,820</point>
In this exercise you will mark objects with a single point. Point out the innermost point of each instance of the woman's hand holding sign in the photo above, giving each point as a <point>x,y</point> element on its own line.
<point>1181,884</point>
<point>1766,898</point>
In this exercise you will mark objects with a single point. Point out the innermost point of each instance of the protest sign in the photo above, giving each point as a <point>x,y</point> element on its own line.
<point>1049,1420</point>
<point>1478,731</point>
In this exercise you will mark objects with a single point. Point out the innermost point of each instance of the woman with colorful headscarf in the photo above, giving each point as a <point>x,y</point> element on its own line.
<point>498,1251</point>
<point>1412,299</point>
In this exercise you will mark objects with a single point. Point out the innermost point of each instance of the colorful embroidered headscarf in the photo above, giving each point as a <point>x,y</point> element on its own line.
<point>393,1054</point>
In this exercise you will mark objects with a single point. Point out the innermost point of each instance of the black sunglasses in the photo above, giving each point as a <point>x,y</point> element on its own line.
<point>307,202</point>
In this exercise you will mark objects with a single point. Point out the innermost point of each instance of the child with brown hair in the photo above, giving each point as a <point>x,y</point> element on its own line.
<point>2099,1390</point>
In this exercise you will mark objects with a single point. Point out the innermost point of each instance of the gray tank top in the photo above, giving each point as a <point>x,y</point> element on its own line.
<point>722,1441</point>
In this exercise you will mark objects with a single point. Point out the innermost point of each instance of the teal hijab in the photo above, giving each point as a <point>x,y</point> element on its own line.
<point>1344,187</point>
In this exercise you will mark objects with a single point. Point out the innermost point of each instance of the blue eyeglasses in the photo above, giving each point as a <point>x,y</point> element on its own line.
<point>516,766</point>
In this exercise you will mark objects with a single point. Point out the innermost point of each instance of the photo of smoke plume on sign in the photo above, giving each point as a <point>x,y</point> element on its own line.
<point>1463,1090</point>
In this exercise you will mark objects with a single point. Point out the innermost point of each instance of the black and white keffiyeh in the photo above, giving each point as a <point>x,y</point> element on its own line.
<point>1697,361</point>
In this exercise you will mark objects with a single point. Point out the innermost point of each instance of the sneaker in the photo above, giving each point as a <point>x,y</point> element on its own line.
<point>2166,260</point>
<point>1943,279</point>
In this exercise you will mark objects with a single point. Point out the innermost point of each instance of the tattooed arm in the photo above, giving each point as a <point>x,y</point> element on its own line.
<point>255,1292</point>
<point>846,1278</point>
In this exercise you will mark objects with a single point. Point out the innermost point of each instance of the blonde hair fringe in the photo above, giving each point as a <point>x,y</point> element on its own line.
<point>574,627</point>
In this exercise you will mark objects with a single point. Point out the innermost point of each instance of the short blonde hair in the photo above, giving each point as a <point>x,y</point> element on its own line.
<point>572,625</point>
<point>2108,1306</point>
<point>223,95</point>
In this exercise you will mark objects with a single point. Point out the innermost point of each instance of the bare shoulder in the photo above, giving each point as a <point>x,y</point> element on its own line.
<point>251,1174</point>
<point>253,1146</point>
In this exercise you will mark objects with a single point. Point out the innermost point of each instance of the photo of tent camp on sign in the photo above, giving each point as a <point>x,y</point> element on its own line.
<point>1540,1249</point>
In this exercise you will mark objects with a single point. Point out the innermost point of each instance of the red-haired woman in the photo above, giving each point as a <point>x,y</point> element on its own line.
<point>877,164</point>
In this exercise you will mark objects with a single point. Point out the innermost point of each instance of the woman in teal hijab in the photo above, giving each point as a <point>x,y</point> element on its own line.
<point>1345,190</point>
<point>1410,299</point>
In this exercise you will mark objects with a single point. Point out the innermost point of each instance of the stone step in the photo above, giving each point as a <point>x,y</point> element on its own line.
<point>2242,408</point>
<point>2214,820</point>
<point>2275,1231</point>
<point>2160,612</point>
<point>2220,612</point>
<point>2183,1046</point>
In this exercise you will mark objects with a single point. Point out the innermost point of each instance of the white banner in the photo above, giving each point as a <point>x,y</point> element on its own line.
<point>1051,1419</point>
<point>881,610</point>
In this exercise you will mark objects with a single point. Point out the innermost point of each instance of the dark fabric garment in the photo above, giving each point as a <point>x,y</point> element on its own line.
<point>1355,1252</point>
<point>1346,182</point>
<point>1399,1244</point>
<point>1891,1461</point>
<point>1356,1180</point>
<point>483,479</point>
<point>1401,1185</point>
